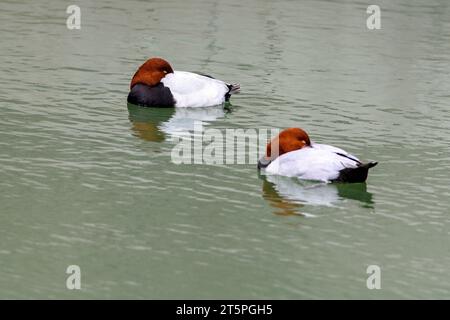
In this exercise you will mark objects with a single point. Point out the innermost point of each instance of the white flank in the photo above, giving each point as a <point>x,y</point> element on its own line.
<point>319,162</point>
<point>194,90</point>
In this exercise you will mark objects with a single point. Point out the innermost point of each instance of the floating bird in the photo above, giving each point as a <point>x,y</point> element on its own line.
<point>293,154</point>
<point>156,84</point>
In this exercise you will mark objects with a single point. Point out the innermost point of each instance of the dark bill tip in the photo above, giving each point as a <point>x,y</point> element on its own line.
<point>263,162</point>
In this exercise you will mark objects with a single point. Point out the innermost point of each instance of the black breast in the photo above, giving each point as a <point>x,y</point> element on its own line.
<point>155,96</point>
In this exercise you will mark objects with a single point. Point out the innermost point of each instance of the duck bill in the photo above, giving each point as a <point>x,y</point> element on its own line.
<point>263,162</point>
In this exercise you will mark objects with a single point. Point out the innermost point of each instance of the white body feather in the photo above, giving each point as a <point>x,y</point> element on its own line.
<point>319,162</point>
<point>194,90</point>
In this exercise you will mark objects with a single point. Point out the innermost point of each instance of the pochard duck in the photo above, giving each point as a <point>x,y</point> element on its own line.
<point>156,84</point>
<point>293,154</point>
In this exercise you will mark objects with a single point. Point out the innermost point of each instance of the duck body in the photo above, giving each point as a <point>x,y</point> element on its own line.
<point>320,162</point>
<point>301,158</point>
<point>156,84</point>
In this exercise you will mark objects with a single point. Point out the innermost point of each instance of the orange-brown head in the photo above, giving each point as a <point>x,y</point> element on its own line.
<point>151,72</point>
<point>288,140</point>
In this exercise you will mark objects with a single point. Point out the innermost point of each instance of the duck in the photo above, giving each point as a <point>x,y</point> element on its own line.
<point>293,154</point>
<point>156,84</point>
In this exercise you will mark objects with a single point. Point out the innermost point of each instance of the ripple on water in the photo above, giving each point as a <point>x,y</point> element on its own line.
<point>87,179</point>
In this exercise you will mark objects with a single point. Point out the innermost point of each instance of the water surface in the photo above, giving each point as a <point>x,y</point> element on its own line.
<point>86,179</point>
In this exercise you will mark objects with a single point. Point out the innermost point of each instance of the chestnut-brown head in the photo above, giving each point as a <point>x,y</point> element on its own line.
<point>288,140</point>
<point>151,72</point>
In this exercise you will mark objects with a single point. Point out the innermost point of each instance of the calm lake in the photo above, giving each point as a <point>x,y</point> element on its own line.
<point>87,180</point>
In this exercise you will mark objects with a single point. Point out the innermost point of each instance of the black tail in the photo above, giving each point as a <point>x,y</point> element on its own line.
<point>358,174</point>
<point>232,89</point>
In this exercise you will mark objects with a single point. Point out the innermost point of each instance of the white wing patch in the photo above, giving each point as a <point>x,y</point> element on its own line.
<point>319,162</point>
<point>194,90</point>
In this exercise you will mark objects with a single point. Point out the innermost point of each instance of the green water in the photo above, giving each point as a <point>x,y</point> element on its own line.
<point>87,180</point>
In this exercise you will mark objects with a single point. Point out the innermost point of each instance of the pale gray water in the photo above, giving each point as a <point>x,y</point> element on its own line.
<point>86,180</point>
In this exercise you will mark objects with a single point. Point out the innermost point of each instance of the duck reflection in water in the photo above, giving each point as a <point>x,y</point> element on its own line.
<point>156,124</point>
<point>289,195</point>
